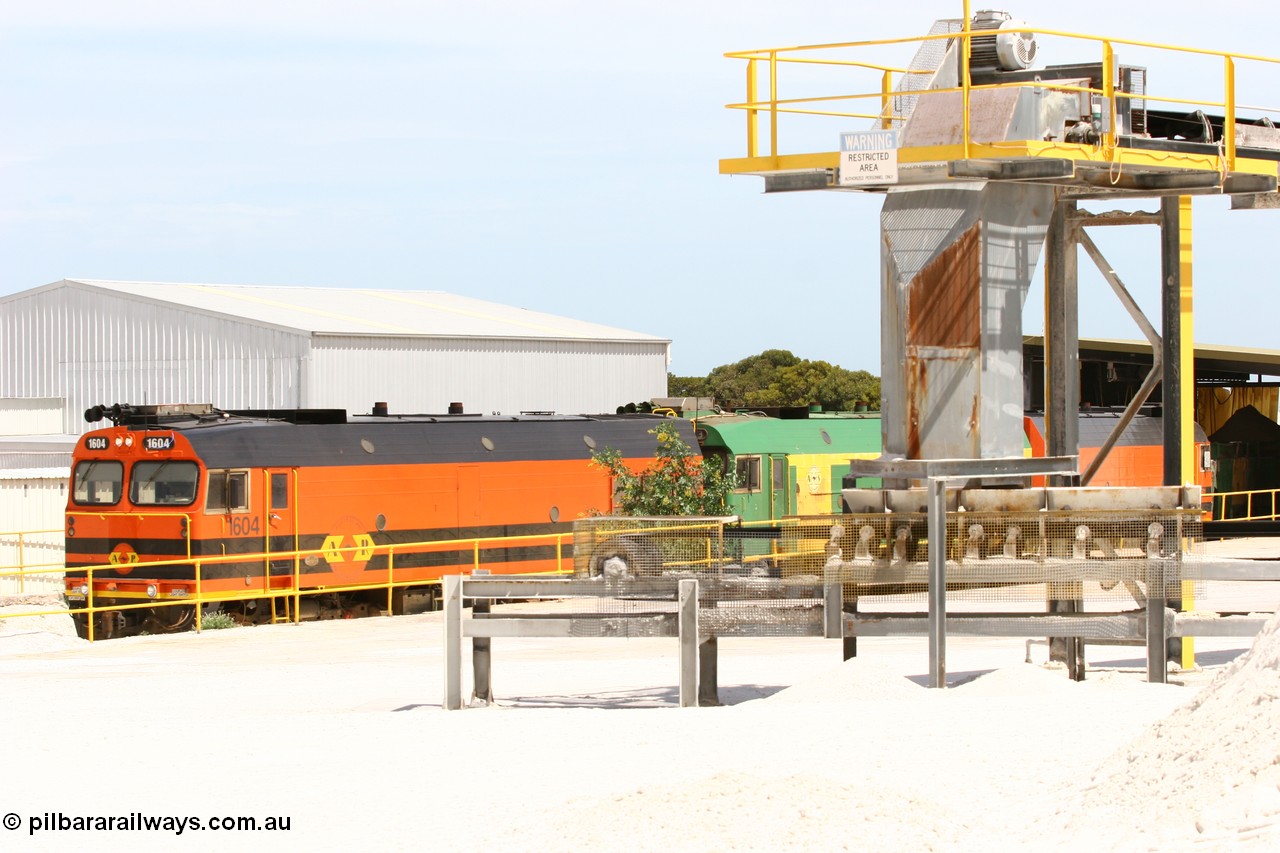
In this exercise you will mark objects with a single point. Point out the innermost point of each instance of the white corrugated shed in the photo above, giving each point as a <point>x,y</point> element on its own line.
<point>91,342</point>
<point>31,415</point>
<point>33,497</point>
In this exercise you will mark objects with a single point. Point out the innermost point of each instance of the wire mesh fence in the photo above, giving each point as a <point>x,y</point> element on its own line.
<point>1016,561</point>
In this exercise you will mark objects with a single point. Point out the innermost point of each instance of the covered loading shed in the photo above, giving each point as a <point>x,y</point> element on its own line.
<point>87,342</point>
<point>1247,451</point>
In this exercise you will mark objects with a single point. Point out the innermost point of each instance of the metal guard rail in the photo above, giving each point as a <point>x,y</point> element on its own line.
<point>883,91</point>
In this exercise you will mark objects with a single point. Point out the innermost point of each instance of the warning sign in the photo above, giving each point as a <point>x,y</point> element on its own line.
<point>870,157</point>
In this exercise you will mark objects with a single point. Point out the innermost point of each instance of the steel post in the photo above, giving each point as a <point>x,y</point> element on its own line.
<point>452,642</point>
<point>1157,649</point>
<point>1062,338</point>
<point>937,582</point>
<point>687,618</point>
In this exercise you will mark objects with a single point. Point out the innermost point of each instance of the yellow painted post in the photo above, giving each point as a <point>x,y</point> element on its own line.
<point>886,99</point>
<point>88,599</point>
<point>753,118</point>
<point>1229,117</point>
<point>1109,94</point>
<point>22,567</point>
<point>964,74</point>
<point>773,104</point>
<point>199,602</point>
<point>391,580</point>
<point>1186,417</point>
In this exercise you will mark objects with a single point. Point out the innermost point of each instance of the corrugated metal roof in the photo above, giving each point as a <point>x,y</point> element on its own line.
<point>349,311</point>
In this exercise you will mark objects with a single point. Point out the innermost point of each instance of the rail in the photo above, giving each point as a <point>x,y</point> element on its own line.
<point>848,60</point>
<point>20,544</point>
<point>1254,505</point>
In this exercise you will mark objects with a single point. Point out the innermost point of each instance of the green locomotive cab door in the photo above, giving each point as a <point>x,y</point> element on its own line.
<point>780,486</point>
<point>750,497</point>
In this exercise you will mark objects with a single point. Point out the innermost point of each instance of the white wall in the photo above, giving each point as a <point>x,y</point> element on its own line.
<point>33,503</point>
<point>484,374</point>
<point>90,346</point>
<point>31,415</point>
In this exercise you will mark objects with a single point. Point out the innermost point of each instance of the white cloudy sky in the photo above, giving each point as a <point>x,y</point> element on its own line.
<point>560,156</point>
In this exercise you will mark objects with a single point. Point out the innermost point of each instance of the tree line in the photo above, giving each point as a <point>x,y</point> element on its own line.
<point>776,377</point>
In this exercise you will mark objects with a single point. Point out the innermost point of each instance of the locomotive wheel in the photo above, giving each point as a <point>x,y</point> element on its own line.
<point>170,620</point>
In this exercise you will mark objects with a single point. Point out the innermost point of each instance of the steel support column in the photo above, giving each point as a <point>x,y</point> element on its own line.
<point>1171,319</point>
<point>937,582</point>
<point>1062,338</point>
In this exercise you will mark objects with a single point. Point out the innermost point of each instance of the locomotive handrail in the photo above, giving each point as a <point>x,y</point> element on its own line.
<point>289,586</point>
<point>293,590</point>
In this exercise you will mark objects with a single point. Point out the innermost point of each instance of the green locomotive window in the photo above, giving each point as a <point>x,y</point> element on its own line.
<point>165,483</point>
<point>748,471</point>
<point>98,482</point>
<point>228,490</point>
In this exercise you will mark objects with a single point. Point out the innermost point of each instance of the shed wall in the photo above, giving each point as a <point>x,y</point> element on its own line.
<point>507,375</point>
<point>32,503</point>
<point>31,415</point>
<point>90,346</point>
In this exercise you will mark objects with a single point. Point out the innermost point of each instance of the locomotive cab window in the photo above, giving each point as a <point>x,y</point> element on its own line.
<point>279,491</point>
<point>748,471</point>
<point>165,483</point>
<point>228,491</point>
<point>98,482</point>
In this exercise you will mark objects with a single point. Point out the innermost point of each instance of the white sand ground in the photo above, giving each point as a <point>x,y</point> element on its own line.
<point>338,726</point>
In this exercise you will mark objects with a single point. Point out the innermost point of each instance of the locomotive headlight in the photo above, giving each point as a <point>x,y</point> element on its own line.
<point>151,590</point>
<point>83,589</point>
<point>128,441</point>
<point>119,441</point>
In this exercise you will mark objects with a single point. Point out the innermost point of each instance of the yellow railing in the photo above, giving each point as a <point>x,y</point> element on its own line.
<point>291,589</point>
<point>880,89</point>
<point>1257,505</point>
<point>23,542</point>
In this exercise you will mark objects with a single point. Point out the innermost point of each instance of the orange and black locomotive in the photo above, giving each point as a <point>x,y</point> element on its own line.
<point>192,487</point>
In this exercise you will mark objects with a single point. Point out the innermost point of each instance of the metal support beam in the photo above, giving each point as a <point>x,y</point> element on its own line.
<point>708,672</point>
<point>1157,650</point>
<point>1012,169</point>
<point>452,642</point>
<point>1171,318</point>
<point>688,621</point>
<point>937,583</point>
<point>1062,338</point>
<point>481,658</point>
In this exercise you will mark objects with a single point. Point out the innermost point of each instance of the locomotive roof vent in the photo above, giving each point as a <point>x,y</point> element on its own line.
<point>380,410</point>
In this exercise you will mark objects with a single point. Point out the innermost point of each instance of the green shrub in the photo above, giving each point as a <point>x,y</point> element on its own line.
<point>217,620</point>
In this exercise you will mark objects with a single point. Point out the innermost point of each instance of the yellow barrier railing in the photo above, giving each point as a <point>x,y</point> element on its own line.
<point>23,542</point>
<point>879,89</point>
<point>285,586</point>
<point>1255,505</point>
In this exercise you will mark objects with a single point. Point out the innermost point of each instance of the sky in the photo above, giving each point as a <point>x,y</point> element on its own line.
<point>560,156</point>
